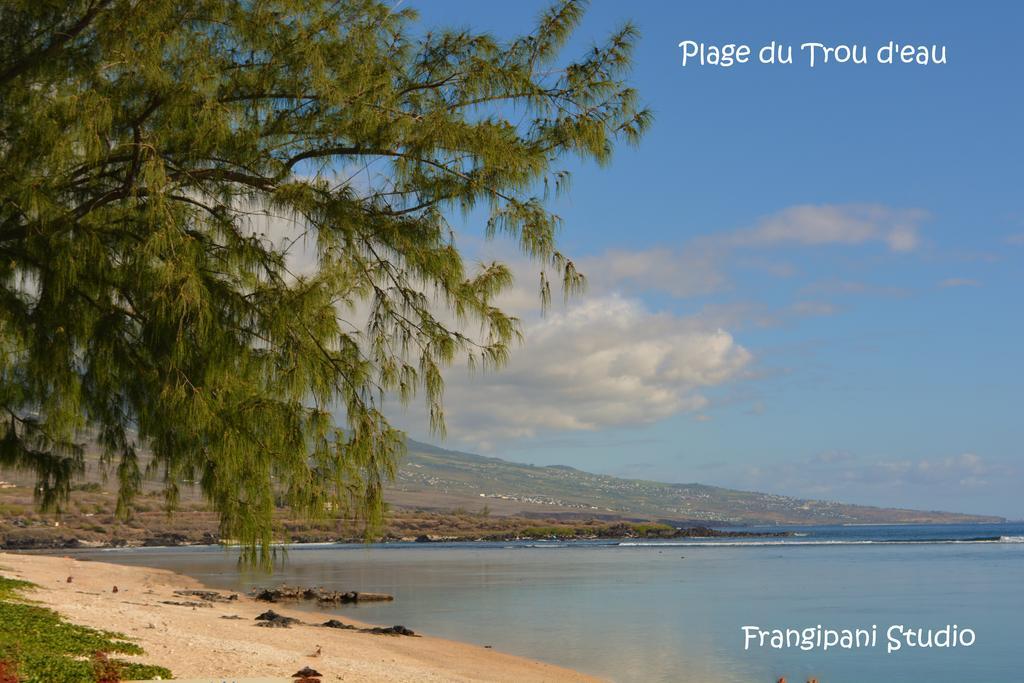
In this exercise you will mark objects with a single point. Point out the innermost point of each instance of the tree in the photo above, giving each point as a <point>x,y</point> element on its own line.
<point>143,306</point>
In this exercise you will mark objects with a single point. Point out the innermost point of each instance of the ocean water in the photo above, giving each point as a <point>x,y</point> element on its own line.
<point>674,610</point>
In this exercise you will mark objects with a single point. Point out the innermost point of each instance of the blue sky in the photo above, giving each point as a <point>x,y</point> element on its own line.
<point>823,266</point>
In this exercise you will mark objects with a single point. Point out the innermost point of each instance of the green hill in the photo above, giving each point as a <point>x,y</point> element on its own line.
<point>438,493</point>
<point>436,478</point>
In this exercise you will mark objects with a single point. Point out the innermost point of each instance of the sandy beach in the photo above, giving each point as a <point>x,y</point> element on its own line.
<point>197,642</point>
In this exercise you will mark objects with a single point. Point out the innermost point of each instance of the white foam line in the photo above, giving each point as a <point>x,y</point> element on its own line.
<point>695,544</point>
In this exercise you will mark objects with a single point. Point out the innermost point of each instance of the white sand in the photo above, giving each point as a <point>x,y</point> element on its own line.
<point>198,643</point>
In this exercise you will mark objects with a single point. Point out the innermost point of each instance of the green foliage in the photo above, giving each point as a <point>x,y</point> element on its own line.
<point>163,164</point>
<point>47,649</point>
<point>10,587</point>
<point>545,532</point>
<point>652,530</point>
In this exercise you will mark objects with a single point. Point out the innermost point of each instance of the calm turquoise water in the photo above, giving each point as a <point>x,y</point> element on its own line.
<point>674,612</point>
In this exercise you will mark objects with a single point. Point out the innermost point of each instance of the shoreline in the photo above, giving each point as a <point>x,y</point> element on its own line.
<point>221,638</point>
<point>617,532</point>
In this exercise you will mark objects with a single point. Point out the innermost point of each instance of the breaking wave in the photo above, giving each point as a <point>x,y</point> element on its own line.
<point>787,542</point>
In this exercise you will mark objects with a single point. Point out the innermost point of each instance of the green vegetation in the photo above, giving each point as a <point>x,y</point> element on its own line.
<point>652,530</point>
<point>545,531</point>
<point>223,223</point>
<point>510,488</point>
<point>9,588</point>
<point>593,530</point>
<point>43,648</point>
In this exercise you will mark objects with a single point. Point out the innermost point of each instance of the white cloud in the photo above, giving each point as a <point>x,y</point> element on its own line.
<point>823,224</point>
<point>604,360</point>
<point>842,474</point>
<point>607,359</point>
<point>689,272</point>
<point>966,469</point>
<point>700,266</point>
<point>607,362</point>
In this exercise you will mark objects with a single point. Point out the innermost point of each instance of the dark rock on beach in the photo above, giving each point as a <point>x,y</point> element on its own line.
<point>334,623</point>
<point>318,594</point>
<point>265,595</point>
<point>275,624</point>
<point>272,619</point>
<point>208,596</point>
<point>165,539</point>
<point>185,603</point>
<point>396,630</point>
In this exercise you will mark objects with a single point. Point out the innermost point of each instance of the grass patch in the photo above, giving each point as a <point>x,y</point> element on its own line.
<point>46,649</point>
<point>10,587</point>
<point>653,530</point>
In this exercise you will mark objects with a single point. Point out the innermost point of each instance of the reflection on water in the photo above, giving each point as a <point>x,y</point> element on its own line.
<point>670,613</point>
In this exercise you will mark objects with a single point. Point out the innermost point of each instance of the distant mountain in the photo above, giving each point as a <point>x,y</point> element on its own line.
<point>438,494</point>
<point>433,478</point>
